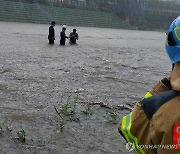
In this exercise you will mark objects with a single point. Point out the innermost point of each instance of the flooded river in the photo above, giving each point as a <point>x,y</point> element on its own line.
<point>107,65</point>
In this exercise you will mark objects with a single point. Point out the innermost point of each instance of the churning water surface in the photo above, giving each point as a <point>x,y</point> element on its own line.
<point>114,66</point>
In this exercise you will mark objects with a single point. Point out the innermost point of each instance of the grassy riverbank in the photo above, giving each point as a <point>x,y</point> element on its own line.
<point>45,13</point>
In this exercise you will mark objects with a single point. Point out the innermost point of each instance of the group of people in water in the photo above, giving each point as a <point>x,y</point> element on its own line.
<point>73,36</point>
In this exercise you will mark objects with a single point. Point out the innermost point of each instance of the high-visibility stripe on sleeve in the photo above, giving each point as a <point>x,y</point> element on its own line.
<point>125,127</point>
<point>147,95</point>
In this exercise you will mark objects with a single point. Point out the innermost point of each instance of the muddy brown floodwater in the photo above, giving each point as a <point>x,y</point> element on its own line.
<point>108,65</point>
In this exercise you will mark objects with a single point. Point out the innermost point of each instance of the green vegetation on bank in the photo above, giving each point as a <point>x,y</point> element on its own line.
<point>43,13</point>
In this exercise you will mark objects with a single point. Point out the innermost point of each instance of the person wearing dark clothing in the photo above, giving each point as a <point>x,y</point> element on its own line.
<point>63,35</point>
<point>73,37</point>
<point>51,36</point>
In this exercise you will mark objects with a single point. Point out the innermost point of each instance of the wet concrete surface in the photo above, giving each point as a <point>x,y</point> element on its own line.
<point>107,65</point>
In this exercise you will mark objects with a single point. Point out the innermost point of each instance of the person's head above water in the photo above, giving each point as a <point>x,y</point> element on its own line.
<point>53,23</point>
<point>64,27</point>
<point>74,30</point>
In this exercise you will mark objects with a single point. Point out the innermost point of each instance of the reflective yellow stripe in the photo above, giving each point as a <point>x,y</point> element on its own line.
<point>177,32</point>
<point>147,95</point>
<point>137,148</point>
<point>125,127</point>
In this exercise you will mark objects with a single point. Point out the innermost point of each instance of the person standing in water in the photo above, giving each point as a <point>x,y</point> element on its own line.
<point>51,36</point>
<point>73,37</point>
<point>63,35</point>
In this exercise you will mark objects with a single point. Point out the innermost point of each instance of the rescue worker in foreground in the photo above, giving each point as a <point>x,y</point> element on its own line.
<point>51,36</point>
<point>153,126</point>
